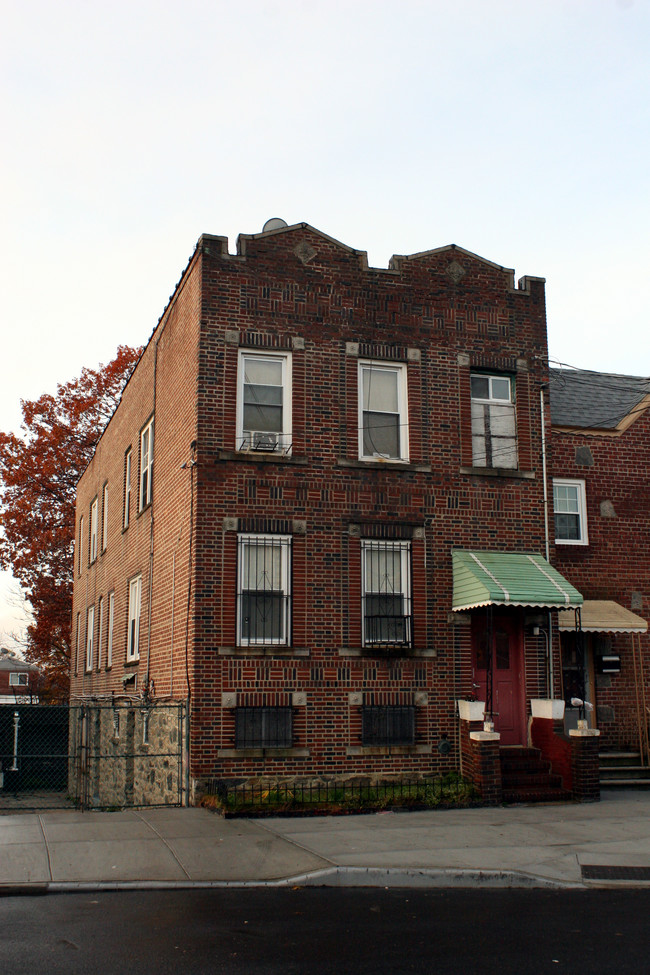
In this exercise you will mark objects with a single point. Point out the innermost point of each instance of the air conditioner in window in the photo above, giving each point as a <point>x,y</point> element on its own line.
<point>261,440</point>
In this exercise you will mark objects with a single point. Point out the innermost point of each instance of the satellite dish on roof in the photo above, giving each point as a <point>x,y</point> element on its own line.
<point>275,223</point>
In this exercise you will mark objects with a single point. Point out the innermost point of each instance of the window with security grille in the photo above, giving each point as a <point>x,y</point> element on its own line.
<point>264,403</point>
<point>494,427</point>
<point>570,512</point>
<point>383,432</point>
<point>390,724</point>
<point>262,727</point>
<point>264,589</point>
<point>386,592</point>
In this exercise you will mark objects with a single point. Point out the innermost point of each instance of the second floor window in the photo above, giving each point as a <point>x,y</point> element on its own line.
<point>93,529</point>
<point>383,424</point>
<point>146,465</point>
<point>494,428</point>
<point>264,590</point>
<point>105,518</point>
<point>80,560</point>
<point>264,403</point>
<point>127,487</point>
<point>386,595</point>
<point>570,512</point>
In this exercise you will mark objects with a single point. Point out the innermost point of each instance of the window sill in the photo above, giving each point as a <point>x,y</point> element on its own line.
<point>380,653</point>
<point>572,541</point>
<point>388,750</point>
<point>263,753</point>
<point>383,465</point>
<point>261,457</point>
<point>498,472</point>
<point>263,650</point>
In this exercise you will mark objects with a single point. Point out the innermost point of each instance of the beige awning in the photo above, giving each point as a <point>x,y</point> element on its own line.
<point>602,616</point>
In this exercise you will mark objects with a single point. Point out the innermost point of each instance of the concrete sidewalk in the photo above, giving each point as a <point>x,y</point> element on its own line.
<point>558,845</point>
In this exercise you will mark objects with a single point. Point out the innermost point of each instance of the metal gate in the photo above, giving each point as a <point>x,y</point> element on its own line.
<point>92,756</point>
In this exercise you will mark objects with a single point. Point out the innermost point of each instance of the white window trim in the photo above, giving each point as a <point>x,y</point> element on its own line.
<point>94,516</point>
<point>78,648</point>
<point>18,679</point>
<point>400,370</point>
<point>145,496</point>
<point>105,518</point>
<point>109,641</point>
<point>285,437</point>
<point>404,548</point>
<point>100,633</point>
<point>81,544</point>
<point>496,401</point>
<point>284,543</point>
<point>133,631</point>
<point>582,510</point>
<point>90,638</point>
<point>128,463</point>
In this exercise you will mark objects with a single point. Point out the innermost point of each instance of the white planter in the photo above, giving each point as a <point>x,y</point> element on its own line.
<point>547,708</point>
<point>471,710</point>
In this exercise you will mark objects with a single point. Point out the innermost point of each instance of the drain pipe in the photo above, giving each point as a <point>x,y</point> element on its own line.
<point>549,642</point>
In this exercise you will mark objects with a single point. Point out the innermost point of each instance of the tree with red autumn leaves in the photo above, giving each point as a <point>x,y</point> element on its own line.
<point>39,470</point>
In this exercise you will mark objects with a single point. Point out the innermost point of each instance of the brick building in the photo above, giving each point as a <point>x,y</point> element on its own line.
<point>318,513</point>
<point>600,439</point>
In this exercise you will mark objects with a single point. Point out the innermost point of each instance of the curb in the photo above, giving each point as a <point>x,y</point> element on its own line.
<point>327,877</point>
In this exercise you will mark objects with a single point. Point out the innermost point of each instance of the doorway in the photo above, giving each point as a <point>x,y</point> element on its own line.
<point>499,637</point>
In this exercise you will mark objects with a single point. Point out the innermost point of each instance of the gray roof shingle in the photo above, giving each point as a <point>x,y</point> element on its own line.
<point>580,398</point>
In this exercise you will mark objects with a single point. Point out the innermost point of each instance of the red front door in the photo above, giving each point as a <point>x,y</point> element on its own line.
<point>506,649</point>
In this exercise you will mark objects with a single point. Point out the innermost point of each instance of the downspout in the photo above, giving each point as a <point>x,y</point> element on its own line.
<point>551,675</point>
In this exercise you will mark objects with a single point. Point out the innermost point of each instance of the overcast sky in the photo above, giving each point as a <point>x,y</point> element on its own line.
<point>518,129</point>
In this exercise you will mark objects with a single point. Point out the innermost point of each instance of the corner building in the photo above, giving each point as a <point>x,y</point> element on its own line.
<point>318,513</point>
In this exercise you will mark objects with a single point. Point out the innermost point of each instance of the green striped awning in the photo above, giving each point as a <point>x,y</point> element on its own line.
<point>509,579</point>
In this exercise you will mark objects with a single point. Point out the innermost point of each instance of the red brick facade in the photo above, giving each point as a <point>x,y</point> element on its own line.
<point>615,564</point>
<point>316,308</point>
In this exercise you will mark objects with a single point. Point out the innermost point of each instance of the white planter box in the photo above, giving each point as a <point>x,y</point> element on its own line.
<point>547,708</point>
<point>471,710</point>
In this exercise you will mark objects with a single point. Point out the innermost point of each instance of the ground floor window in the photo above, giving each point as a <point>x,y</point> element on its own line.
<point>388,725</point>
<point>261,727</point>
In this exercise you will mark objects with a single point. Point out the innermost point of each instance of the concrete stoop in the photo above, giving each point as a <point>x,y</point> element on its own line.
<point>623,770</point>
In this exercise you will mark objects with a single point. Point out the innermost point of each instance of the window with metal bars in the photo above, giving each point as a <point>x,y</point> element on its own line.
<point>389,724</point>
<point>386,593</point>
<point>264,590</point>
<point>264,727</point>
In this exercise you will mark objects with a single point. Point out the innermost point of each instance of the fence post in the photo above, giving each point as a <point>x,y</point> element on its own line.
<point>14,767</point>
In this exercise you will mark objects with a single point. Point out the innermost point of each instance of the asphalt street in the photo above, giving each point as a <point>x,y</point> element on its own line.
<point>309,931</point>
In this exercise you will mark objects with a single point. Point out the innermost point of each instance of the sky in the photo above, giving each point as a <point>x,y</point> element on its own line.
<point>517,129</point>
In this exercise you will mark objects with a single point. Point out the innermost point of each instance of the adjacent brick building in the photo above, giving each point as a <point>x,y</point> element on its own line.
<point>600,442</point>
<point>319,511</point>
